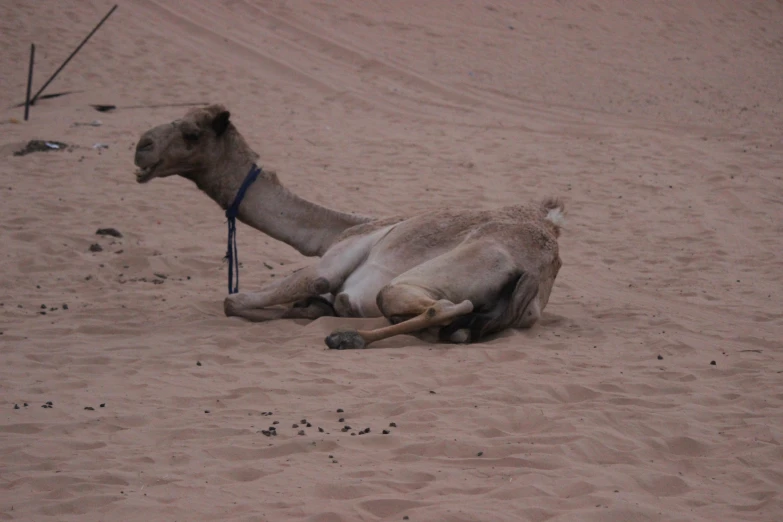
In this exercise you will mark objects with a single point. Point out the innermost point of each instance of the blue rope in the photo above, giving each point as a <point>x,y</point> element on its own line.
<point>231,214</point>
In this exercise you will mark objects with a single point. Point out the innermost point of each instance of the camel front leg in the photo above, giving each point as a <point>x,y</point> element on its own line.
<point>440,313</point>
<point>295,287</point>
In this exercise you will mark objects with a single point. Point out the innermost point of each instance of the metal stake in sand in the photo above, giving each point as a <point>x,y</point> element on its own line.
<point>29,83</point>
<point>32,102</point>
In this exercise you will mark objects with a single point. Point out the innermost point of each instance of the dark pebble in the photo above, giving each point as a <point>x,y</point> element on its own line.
<point>294,425</point>
<point>393,424</point>
<point>301,432</point>
<point>347,427</point>
<point>406,516</point>
<point>49,403</point>
<point>42,313</point>
<point>334,462</point>
<point>339,410</point>
<point>331,456</point>
<point>660,357</point>
<point>353,434</point>
<point>266,433</point>
<point>320,430</point>
<point>341,419</point>
<point>206,411</point>
<point>303,421</point>
<point>108,232</point>
<point>432,392</point>
<point>65,306</point>
<point>103,405</point>
<point>366,430</point>
<point>16,406</point>
<point>480,453</point>
<point>275,422</point>
<point>344,430</point>
<point>385,432</point>
<point>272,428</point>
<point>309,425</point>
<point>89,408</point>
<point>43,307</point>
<point>198,363</point>
<point>713,363</point>
<point>25,405</point>
<point>95,247</point>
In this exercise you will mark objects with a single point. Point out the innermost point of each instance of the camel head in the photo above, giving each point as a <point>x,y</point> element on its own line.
<point>187,146</point>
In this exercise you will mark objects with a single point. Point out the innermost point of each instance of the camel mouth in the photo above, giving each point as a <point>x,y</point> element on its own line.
<point>144,174</point>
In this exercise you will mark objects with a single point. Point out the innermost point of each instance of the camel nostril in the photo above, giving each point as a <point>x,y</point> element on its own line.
<point>145,145</point>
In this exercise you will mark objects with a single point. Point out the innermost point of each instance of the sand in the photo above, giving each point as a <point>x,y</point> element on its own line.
<point>650,391</point>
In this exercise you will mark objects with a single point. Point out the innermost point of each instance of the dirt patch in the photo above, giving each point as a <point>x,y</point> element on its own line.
<point>40,146</point>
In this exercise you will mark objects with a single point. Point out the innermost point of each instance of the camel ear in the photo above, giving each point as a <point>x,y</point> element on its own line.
<point>220,123</point>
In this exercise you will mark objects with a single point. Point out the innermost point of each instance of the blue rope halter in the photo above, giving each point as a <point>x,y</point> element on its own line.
<point>231,214</point>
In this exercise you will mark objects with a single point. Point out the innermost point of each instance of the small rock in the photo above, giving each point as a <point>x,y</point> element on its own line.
<point>108,232</point>
<point>49,403</point>
<point>385,432</point>
<point>480,453</point>
<point>16,406</point>
<point>103,405</point>
<point>341,419</point>
<point>95,247</point>
<point>276,422</point>
<point>309,425</point>
<point>432,392</point>
<point>713,363</point>
<point>198,363</point>
<point>660,357</point>
<point>25,405</point>
<point>301,432</point>
<point>320,430</point>
<point>406,517</point>
<point>303,421</point>
<point>89,408</point>
<point>43,306</point>
<point>393,424</point>
<point>331,456</point>
<point>294,426</point>
<point>339,410</point>
<point>206,411</point>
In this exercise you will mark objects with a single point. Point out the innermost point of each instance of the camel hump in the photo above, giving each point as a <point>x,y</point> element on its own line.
<point>554,209</point>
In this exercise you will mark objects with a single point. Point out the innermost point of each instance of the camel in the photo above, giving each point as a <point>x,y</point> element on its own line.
<point>451,275</point>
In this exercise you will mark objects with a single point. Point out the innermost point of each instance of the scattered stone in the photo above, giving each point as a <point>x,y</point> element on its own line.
<point>301,432</point>
<point>713,363</point>
<point>320,430</point>
<point>95,247</point>
<point>334,461</point>
<point>198,363</point>
<point>480,453</point>
<point>303,421</point>
<point>89,408</point>
<point>294,426</point>
<point>385,432</point>
<point>49,403</point>
<point>347,427</point>
<point>339,410</point>
<point>161,276</point>
<point>366,430</point>
<point>43,306</point>
<point>331,456</point>
<point>309,425</point>
<point>341,419</point>
<point>103,405</point>
<point>40,146</point>
<point>113,232</point>
<point>16,406</point>
<point>206,411</point>
<point>660,357</point>
<point>25,405</point>
<point>276,422</point>
<point>266,433</point>
<point>432,392</point>
<point>353,434</point>
<point>406,517</point>
<point>393,424</point>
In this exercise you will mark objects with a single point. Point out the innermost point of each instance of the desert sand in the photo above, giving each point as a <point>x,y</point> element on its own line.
<point>652,389</point>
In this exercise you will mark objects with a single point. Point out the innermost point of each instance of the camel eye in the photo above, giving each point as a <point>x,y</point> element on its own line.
<point>191,137</point>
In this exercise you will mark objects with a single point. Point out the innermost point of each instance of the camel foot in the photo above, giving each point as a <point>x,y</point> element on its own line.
<point>235,304</point>
<point>345,340</point>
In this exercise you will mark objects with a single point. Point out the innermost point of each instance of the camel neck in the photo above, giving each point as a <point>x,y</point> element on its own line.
<point>270,207</point>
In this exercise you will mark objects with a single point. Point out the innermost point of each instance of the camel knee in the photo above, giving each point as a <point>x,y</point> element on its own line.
<point>399,300</point>
<point>318,286</point>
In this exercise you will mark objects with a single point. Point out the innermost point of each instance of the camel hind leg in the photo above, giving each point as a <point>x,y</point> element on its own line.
<point>437,293</point>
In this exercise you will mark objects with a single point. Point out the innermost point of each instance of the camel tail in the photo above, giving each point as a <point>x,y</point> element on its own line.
<point>555,212</point>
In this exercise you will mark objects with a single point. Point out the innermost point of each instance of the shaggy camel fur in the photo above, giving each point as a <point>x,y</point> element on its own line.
<point>452,275</point>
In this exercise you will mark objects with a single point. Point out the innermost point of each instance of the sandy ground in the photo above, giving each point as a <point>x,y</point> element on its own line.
<point>652,390</point>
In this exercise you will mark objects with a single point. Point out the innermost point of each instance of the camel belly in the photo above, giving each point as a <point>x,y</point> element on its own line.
<point>357,297</point>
